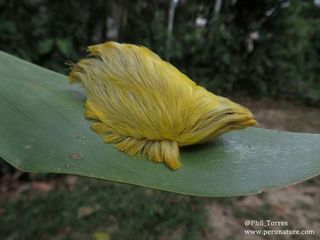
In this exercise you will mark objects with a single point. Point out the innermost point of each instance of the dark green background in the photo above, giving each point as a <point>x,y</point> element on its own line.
<point>283,64</point>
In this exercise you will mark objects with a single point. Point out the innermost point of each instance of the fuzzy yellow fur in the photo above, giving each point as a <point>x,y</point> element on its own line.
<point>144,105</point>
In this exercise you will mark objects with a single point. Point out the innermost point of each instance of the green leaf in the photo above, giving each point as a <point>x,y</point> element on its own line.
<point>45,46</point>
<point>64,45</point>
<point>43,129</point>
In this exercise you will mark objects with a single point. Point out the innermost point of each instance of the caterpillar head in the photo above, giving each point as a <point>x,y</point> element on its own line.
<point>218,118</point>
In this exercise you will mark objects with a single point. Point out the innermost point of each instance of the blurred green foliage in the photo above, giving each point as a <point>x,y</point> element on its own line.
<point>267,48</point>
<point>91,206</point>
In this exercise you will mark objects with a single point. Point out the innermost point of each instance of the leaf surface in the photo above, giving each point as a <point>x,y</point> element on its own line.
<point>43,129</point>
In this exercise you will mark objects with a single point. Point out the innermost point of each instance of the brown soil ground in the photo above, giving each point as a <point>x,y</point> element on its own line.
<point>284,115</point>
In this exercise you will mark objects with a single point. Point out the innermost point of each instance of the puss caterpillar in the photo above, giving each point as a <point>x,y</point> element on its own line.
<point>144,105</point>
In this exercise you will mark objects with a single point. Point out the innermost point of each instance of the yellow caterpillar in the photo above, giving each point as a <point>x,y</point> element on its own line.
<point>144,105</point>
